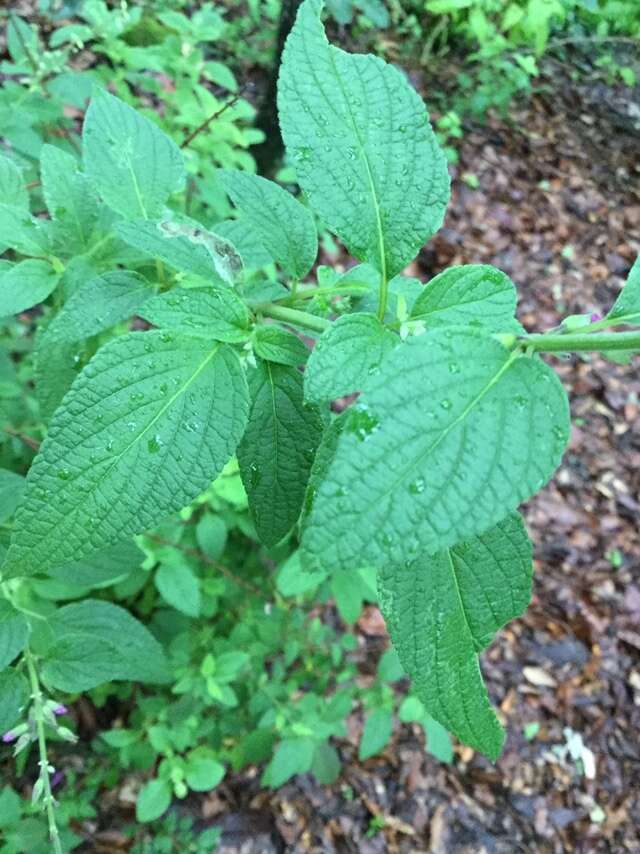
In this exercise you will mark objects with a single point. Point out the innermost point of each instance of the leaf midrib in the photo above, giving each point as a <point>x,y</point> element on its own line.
<point>363,154</point>
<point>443,435</point>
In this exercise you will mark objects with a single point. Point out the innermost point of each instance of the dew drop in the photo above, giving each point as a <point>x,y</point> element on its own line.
<point>417,486</point>
<point>520,401</point>
<point>446,403</point>
<point>454,368</point>
<point>154,444</point>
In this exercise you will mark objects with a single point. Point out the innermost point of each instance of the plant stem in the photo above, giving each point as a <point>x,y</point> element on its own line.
<point>311,293</point>
<point>293,316</point>
<point>47,796</point>
<point>384,296</point>
<point>205,124</point>
<point>579,342</point>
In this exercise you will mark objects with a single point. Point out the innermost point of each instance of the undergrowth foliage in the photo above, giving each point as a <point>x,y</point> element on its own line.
<point>458,419</point>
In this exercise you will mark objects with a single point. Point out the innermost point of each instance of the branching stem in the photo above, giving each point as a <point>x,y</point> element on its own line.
<point>293,316</point>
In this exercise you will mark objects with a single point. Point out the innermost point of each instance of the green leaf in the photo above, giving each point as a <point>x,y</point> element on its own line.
<point>252,252</point>
<point>203,772</point>
<point>100,568</point>
<point>277,449</point>
<point>438,740</point>
<point>14,633</point>
<point>441,611</point>
<point>180,253</point>
<point>403,288</point>
<point>68,193</point>
<point>179,587</point>
<point>277,345</point>
<point>211,534</point>
<point>87,643</point>
<point>342,10</point>
<point>22,42</point>
<point>227,262</point>
<point>292,756</point>
<point>154,799</point>
<point>346,588</point>
<point>293,579</point>
<point>93,306</point>
<point>133,164</point>
<point>448,438</point>
<point>12,188</point>
<point>474,294</point>
<point>626,308</point>
<point>326,764</point>
<point>282,225</point>
<point>99,304</point>
<point>389,667</point>
<point>26,284</point>
<point>346,356</point>
<point>14,694</point>
<point>362,146</point>
<point>23,232</point>
<point>12,487</point>
<point>214,313</point>
<point>376,11</point>
<point>378,728</point>
<point>172,410</point>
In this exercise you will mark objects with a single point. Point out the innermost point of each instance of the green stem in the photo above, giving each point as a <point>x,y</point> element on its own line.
<point>579,342</point>
<point>311,293</point>
<point>384,296</point>
<point>38,713</point>
<point>293,316</point>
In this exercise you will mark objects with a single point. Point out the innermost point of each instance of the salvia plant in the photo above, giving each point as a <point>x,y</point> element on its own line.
<point>458,419</point>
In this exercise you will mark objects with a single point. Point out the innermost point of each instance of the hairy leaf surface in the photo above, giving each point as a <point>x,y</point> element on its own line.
<point>277,345</point>
<point>362,146</point>
<point>68,193</point>
<point>91,642</point>
<point>208,312</point>
<point>14,694</point>
<point>451,435</point>
<point>133,164</point>
<point>14,632</point>
<point>12,187</point>
<point>157,240</point>
<point>474,294</point>
<point>99,304</point>
<point>283,225</point>
<point>94,306</point>
<point>277,450</point>
<point>346,356</point>
<point>626,308</point>
<point>26,284</point>
<point>170,409</point>
<point>12,486</point>
<point>23,232</point>
<point>101,567</point>
<point>444,609</point>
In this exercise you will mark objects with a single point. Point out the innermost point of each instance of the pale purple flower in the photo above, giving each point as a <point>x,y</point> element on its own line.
<point>595,317</point>
<point>9,737</point>
<point>60,709</point>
